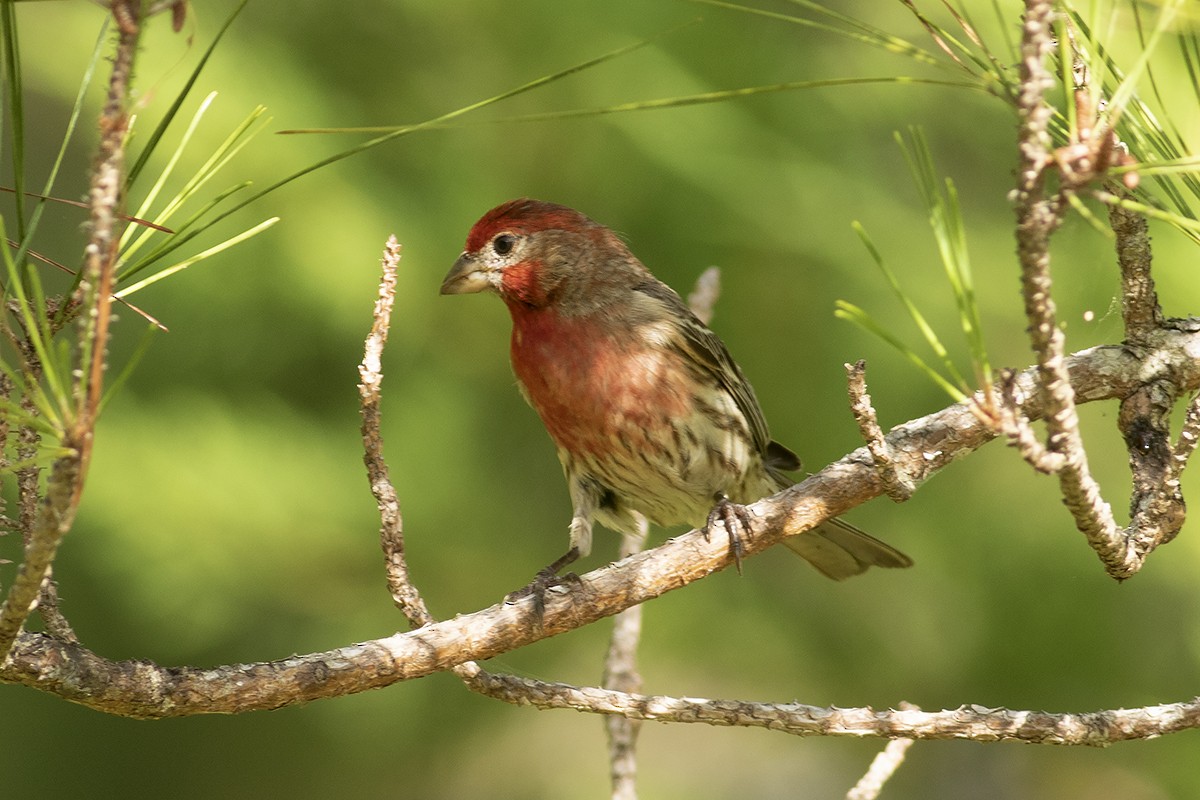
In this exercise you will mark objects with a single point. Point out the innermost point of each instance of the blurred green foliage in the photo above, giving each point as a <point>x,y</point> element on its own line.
<point>227,517</point>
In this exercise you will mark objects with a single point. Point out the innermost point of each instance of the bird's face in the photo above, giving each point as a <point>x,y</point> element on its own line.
<point>528,252</point>
<point>545,257</point>
<point>500,262</point>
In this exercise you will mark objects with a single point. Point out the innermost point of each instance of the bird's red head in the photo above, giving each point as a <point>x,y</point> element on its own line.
<point>536,254</point>
<point>525,216</point>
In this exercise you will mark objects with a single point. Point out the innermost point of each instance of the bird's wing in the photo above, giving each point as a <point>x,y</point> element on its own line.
<point>705,349</point>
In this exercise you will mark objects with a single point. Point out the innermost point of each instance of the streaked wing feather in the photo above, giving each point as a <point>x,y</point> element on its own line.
<point>705,349</point>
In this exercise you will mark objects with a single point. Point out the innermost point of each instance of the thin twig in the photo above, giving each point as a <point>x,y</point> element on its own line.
<point>370,371</point>
<point>56,511</point>
<point>881,770</point>
<point>1157,507</point>
<point>6,523</point>
<point>55,515</point>
<point>391,530</point>
<point>973,722</point>
<point>48,609</point>
<point>28,443</point>
<point>1018,430</point>
<point>621,674</point>
<point>29,494</point>
<point>620,662</point>
<point>703,299</point>
<point>895,484</point>
<point>884,766</point>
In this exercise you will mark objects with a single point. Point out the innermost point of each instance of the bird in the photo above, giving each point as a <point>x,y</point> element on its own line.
<point>650,415</point>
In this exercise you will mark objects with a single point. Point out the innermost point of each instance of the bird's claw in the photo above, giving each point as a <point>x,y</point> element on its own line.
<point>737,521</point>
<point>537,589</point>
<point>544,581</point>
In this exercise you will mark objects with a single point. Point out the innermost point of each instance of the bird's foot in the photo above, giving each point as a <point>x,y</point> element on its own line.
<point>545,580</point>
<point>737,521</point>
<point>541,583</point>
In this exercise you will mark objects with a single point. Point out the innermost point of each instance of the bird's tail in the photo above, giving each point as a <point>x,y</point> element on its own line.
<point>836,549</point>
<point>839,550</point>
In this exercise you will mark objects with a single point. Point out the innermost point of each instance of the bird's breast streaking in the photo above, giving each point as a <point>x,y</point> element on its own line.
<point>602,399</point>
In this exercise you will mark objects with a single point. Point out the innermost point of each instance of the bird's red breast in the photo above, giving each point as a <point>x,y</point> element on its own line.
<point>594,391</point>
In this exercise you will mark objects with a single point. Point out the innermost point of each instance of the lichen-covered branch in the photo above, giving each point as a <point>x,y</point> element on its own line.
<point>921,447</point>
<point>1039,215</point>
<point>177,692</point>
<point>974,722</point>
<point>1139,301</point>
<point>1157,508</point>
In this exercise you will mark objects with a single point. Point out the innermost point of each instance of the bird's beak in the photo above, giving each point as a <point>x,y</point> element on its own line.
<point>467,276</point>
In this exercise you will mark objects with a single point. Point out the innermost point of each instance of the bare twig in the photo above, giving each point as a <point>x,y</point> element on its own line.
<point>48,609</point>
<point>370,372</point>
<point>621,674</point>
<point>391,530</point>
<point>620,663</point>
<point>56,511</point>
<point>703,299</point>
<point>974,722</point>
<point>55,515</point>
<point>895,484</point>
<point>1157,508</point>
<point>881,770</point>
<point>1020,432</point>
<point>1094,147</point>
<point>883,767</point>
<point>28,442</point>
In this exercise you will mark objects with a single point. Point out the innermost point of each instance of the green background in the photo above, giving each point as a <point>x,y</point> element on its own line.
<point>227,517</point>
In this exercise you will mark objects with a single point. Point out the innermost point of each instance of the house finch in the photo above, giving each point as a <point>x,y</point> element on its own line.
<point>650,414</point>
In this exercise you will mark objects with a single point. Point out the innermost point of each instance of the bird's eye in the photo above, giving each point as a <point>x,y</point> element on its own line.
<point>503,244</point>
